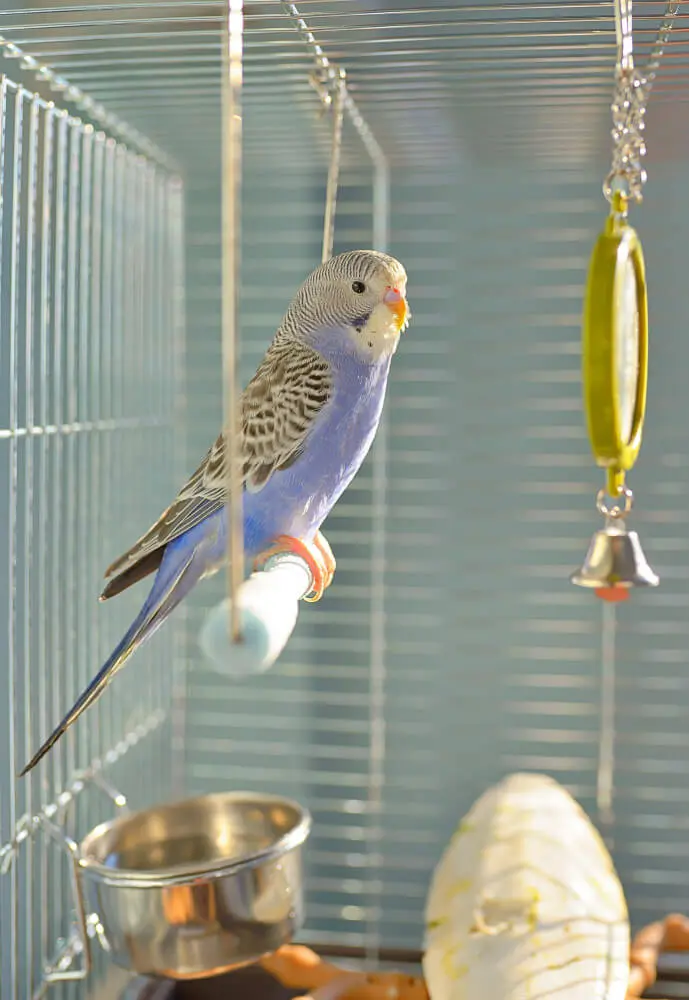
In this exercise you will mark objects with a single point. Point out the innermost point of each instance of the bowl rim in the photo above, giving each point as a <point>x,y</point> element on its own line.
<point>189,873</point>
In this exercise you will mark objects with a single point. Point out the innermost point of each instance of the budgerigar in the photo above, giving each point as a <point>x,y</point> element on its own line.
<point>309,416</point>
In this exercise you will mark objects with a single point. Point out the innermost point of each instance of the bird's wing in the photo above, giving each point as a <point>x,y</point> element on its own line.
<point>292,384</point>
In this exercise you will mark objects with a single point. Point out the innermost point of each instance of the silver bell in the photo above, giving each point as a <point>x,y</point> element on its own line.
<point>614,563</point>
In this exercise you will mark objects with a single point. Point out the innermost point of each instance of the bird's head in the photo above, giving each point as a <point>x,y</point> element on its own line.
<point>353,303</point>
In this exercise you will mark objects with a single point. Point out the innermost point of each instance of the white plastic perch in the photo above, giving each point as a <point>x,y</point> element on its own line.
<point>269,604</point>
<point>525,903</point>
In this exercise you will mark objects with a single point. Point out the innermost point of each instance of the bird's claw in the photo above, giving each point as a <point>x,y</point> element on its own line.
<point>323,546</point>
<point>317,555</point>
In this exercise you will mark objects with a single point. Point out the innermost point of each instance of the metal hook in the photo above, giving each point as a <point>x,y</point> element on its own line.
<point>60,970</point>
<point>117,798</point>
<point>334,166</point>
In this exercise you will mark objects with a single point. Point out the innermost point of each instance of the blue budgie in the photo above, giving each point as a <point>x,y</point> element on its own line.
<point>309,416</point>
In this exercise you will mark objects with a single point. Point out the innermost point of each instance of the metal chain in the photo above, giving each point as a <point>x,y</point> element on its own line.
<point>632,90</point>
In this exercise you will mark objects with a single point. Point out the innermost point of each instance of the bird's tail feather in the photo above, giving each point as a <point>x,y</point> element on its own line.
<point>173,581</point>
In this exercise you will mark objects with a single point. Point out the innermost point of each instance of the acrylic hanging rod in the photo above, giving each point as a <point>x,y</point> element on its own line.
<point>232,96</point>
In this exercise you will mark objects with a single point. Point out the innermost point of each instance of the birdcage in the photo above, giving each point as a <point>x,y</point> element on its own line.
<point>452,648</point>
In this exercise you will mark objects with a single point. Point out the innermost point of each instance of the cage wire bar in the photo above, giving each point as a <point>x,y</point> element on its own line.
<point>92,328</point>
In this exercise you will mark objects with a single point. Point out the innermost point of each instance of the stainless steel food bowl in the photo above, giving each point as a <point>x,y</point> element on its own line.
<point>198,887</point>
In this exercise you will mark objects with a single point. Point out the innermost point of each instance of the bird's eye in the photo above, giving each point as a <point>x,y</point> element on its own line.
<point>359,287</point>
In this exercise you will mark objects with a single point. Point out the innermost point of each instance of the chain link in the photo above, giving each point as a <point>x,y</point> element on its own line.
<point>627,175</point>
<point>632,90</point>
<point>618,507</point>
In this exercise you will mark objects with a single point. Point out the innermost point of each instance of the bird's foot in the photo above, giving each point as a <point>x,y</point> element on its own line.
<point>323,546</point>
<point>316,554</point>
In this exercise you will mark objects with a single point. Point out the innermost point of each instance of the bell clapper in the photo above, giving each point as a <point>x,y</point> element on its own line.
<point>614,594</point>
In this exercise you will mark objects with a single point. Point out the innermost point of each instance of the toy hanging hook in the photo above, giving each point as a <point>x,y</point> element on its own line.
<point>337,106</point>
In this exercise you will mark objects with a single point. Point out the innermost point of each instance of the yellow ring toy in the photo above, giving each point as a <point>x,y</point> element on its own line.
<point>615,348</point>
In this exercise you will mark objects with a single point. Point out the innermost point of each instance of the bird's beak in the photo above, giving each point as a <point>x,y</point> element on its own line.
<point>397,304</point>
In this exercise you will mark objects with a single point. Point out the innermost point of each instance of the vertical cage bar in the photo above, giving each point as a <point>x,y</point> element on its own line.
<point>159,434</point>
<point>14,686</point>
<point>156,374</point>
<point>45,283</point>
<point>28,553</point>
<point>68,648</point>
<point>377,666</point>
<point>7,974</point>
<point>82,500</point>
<point>145,401</point>
<point>120,301</point>
<point>105,377</point>
<point>96,320</point>
<point>157,430</point>
<point>133,379</point>
<point>55,488</point>
<point>123,343</point>
<point>176,413</point>
<point>56,635</point>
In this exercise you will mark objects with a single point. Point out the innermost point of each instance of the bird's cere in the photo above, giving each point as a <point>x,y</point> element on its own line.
<point>396,302</point>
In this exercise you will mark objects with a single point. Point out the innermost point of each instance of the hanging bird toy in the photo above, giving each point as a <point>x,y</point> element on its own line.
<point>615,329</point>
